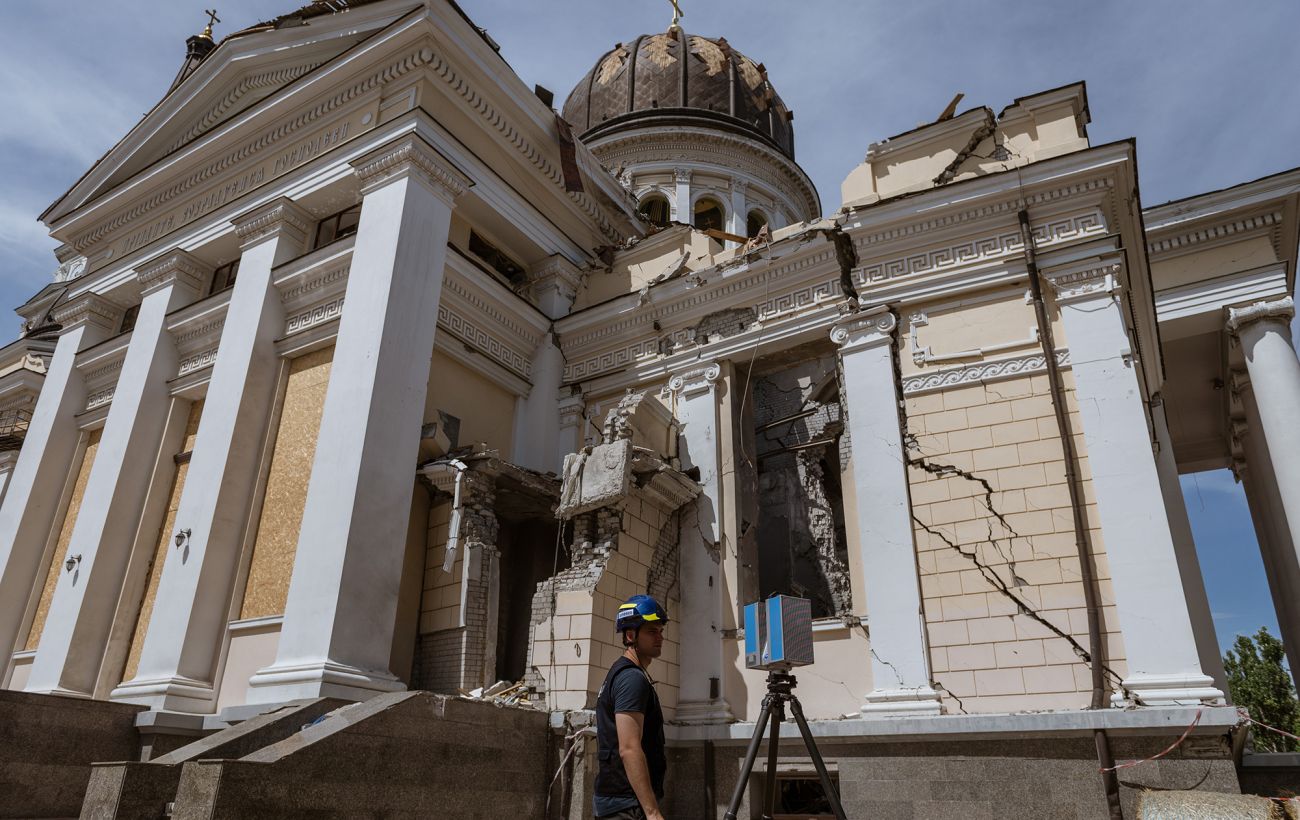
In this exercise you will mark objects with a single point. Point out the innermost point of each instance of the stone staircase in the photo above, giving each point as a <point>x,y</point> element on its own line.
<point>403,754</point>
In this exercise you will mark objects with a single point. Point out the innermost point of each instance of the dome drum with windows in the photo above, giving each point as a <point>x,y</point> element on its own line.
<point>696,131</point>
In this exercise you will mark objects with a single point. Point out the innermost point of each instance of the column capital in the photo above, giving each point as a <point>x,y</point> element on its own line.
<point>279,217</point>
<point>89,309</point>
<point>174,267</point>
<point>1279,310</point>
<point>865,330</point>
<point>1076,283</point>
<point>553,284</point>
<point>571,408</point>
<point>682,176</point>
<point>695,380</point>
<point>739,186</point>
<point>406,156</point>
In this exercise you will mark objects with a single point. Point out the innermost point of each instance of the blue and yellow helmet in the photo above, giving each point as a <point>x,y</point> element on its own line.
<point>639,609</point>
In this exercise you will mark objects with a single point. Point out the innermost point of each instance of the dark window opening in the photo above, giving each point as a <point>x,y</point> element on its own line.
<point>801,796</point>
<point>337,226</point>
<point>528,557</point>
<point>496,258</point>
<point>802,545</point>
<point>655,210</point>
<point>754,223</point>
<point>128,319</point>
<point>224,277</point>
<point>708,215</point>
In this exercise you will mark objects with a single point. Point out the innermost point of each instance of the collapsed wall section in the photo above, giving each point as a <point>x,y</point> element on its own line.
<point>622,499</point>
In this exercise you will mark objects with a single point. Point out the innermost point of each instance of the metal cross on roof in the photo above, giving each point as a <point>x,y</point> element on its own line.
<point>212,18</point>
<point>677,14</point>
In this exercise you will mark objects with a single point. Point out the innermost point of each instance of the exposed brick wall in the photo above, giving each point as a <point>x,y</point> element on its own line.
<point>984,650</point>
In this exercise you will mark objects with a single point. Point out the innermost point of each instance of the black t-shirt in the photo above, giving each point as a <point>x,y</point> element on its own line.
<point>629,691</point>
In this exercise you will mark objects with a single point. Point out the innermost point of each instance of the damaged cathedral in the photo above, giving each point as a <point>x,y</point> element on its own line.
<point>369,385</point>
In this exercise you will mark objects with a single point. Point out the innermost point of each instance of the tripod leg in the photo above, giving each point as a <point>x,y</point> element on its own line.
<point>742,780</point>
<point>831,794</point>
<point>769,801</point>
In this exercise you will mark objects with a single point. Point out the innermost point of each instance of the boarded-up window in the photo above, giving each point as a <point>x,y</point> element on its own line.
<point>286,486</point>
<point>164,546</point>
<point>65,538</point>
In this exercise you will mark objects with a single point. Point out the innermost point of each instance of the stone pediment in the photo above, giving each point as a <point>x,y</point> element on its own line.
<point>240,73</point>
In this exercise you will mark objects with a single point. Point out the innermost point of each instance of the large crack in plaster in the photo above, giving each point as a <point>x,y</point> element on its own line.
<point>989,574</point>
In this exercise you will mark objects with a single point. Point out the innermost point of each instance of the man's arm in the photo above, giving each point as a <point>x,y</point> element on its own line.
<point>630,725</point>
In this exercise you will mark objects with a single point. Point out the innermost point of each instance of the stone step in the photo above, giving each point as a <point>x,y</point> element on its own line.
<point>131,790</point>
<point>402,754</point>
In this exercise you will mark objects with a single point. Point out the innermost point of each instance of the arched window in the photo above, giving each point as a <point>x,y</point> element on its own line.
<point>708,215</point>
<point>655,210</point>
<point>754,223</point>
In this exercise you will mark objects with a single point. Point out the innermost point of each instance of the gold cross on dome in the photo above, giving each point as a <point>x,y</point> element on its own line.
<point>677,13</point>
<point>212,18</point>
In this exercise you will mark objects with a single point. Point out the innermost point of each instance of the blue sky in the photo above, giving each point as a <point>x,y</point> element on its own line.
<point>1207,88</point>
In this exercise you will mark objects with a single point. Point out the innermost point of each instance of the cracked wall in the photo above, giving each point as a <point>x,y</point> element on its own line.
<point>798,429</point>
<point>999,568</point>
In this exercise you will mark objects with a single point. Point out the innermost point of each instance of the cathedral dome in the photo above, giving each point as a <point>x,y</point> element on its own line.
<point>657,78</point>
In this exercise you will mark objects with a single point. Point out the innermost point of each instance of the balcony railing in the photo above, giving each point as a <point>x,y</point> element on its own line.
<point>13,429</point>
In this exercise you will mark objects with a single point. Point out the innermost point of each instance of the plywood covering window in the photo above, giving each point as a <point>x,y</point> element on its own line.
<point>286,486</point>
<point>163,547</point>
<point>65,537</point>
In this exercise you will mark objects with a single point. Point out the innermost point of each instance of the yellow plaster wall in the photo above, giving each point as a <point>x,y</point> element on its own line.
<point>65,537</point>
<point>163,547</point>
<point>984,650</point>
<point>286,485</point>
<point>486,411</point>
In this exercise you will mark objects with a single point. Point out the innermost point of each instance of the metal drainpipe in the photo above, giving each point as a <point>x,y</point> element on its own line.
<point>1083,543</point>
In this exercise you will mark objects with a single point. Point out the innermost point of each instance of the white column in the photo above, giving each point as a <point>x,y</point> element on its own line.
<point>537,416</point>
<point>572,418</point>
<point>739,215</point>
<point>1264,332</point>
<point>1164,666</point>
<point>696,395</point>
<point>1280,558</point>
<point>1189,565</point>
<point>553,286</point>
<point>32,497</point>
<point>82,610</point>
<point>192,605</point>
<point>342,604</point>
<point>682,198</point>
<point>900,662</point>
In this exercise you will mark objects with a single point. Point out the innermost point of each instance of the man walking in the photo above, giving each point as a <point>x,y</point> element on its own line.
<point>629,723</point>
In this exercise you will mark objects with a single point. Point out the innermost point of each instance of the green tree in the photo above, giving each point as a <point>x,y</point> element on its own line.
<point>1259,682</point>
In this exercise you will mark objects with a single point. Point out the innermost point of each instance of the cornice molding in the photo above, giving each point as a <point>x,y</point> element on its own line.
<point>406,156</point>
<point>1187,238</point>
<point>88,309</point>
<point>268,138</point>
<point>279,217</point>
<point>266,79</point>
<point>695,145</point>
<point>173,267</point>
<point>1278,310</point>
<point>498,122</point>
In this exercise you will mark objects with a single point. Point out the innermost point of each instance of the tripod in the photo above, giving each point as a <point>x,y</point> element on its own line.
<point>780,691</point>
